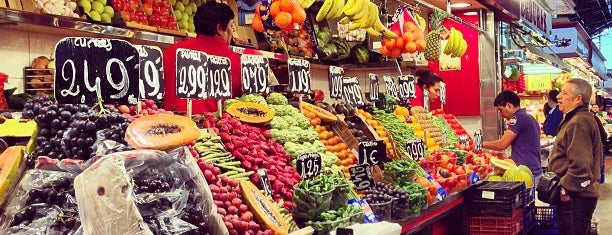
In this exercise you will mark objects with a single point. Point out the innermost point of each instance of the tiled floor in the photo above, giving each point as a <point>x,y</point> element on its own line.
<point>604,205</point>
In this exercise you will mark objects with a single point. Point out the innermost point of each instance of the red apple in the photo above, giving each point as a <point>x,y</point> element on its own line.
<point>147,8</point>
<point>126,16</point>
<point>118,5</point>
<point>154,20</point>
<point>163,21</point>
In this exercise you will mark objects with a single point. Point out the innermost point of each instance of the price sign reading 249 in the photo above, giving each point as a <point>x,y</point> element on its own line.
<point>299,76</point>
<point>151,73</point>
<point>191,75</point>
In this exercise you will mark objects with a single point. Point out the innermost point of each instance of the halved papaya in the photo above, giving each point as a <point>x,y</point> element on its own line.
<point>10,162</point>
<point>250,112</point>
<point>262,208</point>
<point>320,112</point>
<point>161,132</point>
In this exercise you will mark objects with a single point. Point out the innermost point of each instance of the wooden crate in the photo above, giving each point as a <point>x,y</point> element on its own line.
<point>41,87</point>
<point>2,4</point>
<point>360,121</point>
<point>14,4</point>
<point>341,129</point>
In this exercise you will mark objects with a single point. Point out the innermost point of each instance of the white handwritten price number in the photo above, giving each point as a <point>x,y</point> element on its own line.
<point>464,140</point>
<point>361,175</point>
<point>416,149</point>
<point>254,74</point>
<point>426,100</point>
<point>219,85</point>
<point>478,140</point>
<point>374,89</point>
<point>151,84</point>
<point>390,86</point>
<point>407,87</point>
<point>309,165</point>
<point>264,181</point>
<point>442,92</point>
<point>444,139</point>
<point>299,76</point>
<point>191,74</point>
<point>336,74</point>
<point>89,68</point>
<point>372,152</point>
<point>351,91</point>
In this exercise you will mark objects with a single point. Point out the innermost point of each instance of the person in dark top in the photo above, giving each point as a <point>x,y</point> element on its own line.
<point>554,116</point>
<point>523,133</point>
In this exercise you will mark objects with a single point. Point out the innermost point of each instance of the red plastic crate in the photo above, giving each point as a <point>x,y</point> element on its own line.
<point>497,225</point>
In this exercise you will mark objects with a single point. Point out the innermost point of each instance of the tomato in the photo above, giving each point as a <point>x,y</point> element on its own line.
<point>459,170</point>
<point>451,182</point>
<point>461,184</point>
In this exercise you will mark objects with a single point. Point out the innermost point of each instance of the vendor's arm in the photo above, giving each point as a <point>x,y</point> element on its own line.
<point>579,158</point>
<point>502,143</point>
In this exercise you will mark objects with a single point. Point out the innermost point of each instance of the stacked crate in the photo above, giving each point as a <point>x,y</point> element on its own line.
<point>547,221</point>
<point>496,208</point>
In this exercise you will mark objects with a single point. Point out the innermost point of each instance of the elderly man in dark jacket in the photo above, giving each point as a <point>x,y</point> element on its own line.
<point>576,158</point>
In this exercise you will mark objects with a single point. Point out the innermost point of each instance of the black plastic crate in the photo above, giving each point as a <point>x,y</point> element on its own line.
<point>493,208</point>
<point>528,196</point>
<point>499,191</point>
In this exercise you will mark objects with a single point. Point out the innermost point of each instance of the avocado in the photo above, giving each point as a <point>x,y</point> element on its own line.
<point>350,110</point>
<point>340,109</point>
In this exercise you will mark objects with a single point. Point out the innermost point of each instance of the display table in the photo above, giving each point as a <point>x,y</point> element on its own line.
<point>432,215</point>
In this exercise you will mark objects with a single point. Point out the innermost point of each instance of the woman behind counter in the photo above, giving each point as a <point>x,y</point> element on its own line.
<point>430,82</point>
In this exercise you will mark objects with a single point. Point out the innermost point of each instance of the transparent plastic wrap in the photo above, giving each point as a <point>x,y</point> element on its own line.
<point>144,192</point>
<point>43,203</point>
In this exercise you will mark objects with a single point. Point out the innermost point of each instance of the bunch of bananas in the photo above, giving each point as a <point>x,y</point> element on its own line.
<point>456,45</point>
<point>365,15</point>
<point>331,9</point>
<point>306,3</point>
<point>421,21</point>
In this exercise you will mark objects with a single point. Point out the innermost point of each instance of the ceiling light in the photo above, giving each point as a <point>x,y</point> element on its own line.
<point>460,5</point>
<point>470,13</point>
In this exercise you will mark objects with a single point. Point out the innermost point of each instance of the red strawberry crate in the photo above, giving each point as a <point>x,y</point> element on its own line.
<point>497,225</point>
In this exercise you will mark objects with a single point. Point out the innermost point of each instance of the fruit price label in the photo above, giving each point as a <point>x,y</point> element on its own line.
<point>390,87</point>
<point>464,140</point>
<point>254,74</point>
<point>335,82</point>
<point>426,100</point>
<point>478,140</point>
<point>361,175</point>
<point>351,91</point>
<point>372,152</point>
<point>264,181</point>
<point>406,86</point>
<point>415,148</point>
<point>443,92</point>
<point>191,74</point>
<point>299,76</point>
<point>309,165</point>
<point>89,68</point>
<point>373,87</point>
<point>219,85</point>
<point>151,84</point>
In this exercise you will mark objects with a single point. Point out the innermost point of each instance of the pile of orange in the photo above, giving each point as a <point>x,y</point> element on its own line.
<point>380,130</point>
<point>411,41</point>
<point>286,14</point>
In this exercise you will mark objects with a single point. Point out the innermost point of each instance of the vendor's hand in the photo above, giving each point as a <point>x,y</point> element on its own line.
<point>564,196</point>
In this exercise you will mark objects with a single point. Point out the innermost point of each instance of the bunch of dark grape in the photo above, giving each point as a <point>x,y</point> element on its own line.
<point>24,217</point>
<point>53,193</point>
<point>368,107</point>
<point>113,126</point>
<point>147,185</point>
<point>64,222</point>
<point>67,222</point>
<point>404,102</point>
<point>382,193</point>
<point>378,194</point>
<point>193,215</point>
<point>78,143</point>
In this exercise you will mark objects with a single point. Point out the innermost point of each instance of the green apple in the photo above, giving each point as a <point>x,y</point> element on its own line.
<point>101,1</point>
<point>109,11</point>
<point>190,20</point>
<point>178,15</point>
<point>191,27</point>
<point>97,6</point>
<point>193,6</point>
<point>183,24</point>
<point>86,5</point>
<point>172,2</point>
<point>185,2</point>
<point>95,16</point>
<point>179,6</point>
<point>105,17</point>
<point>188,10</point>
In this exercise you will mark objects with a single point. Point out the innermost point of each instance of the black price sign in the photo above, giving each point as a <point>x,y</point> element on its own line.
<point>264,181</point>
<point>309,165</point>
<point>299,76</point>
<point>219,85</point>
<point>372,152</point>
<point>361,175</point>
<point>406,86</point>
<point>88,68</point>
<point>373,87</point>
<point>335,82</point>
<point>478,140</point>
<point>464,140</point>
<point>351,91</point>
<point>390,87</point>
<point>151,73</point>
<point>415,148</point>
<point>191,75</point>
<point>254,74</point>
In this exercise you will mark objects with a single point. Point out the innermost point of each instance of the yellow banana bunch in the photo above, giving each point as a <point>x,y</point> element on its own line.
<point>306,3</point>
<point>456,45</point>
<point>331,9</point>
<point>421,21</point>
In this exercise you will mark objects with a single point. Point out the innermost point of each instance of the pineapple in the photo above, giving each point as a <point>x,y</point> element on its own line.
<point>432,40</point>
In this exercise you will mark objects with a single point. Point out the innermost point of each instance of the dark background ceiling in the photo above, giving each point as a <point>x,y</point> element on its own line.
<point>594,15</point>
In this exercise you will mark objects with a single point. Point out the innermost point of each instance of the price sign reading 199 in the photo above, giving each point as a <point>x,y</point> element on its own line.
<point>219,85</point>
<point>299,76</point>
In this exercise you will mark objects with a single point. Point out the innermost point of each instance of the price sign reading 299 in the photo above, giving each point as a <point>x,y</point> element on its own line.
<point>299,76</point>
<point>191,74</point>
<point>89,68</point>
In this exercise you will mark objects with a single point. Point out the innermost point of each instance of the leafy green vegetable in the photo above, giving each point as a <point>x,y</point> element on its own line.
<point>277,99</point>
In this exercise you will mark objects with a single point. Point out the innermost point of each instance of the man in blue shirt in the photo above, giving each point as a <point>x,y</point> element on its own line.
<point>554,116</point>
<point>523,134</point>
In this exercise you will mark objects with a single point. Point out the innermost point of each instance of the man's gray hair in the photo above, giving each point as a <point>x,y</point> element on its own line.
<point>582,88</point>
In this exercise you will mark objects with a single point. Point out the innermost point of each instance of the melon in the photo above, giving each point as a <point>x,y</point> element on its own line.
<point>321,113</point>
<point>262,208</point>
<point>10,162</point>
<point>525,169</point>
<point>161,132</point>
<point>250,112</point>
<point>495,178</point>
<point>500,166</point>
<point>515,174</point>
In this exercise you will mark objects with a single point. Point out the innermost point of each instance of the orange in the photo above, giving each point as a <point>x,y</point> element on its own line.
<point>384,51</point>
<point>409,26</point>
<point>399,43</point>
<point>396,52</point>
<point>410,47</point>
<point>275,8</point>
<point>287,5</point>
<point>408,37</point>
<point>390,44</point>
<point>283,19</point>
<point>298,14</point>
<point>420,45</point>
<point>418,35</point>
<point>257,25</point>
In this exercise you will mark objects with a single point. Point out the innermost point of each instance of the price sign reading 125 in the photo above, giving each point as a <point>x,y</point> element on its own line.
<point>415,148</point>
<point>372,152</point>
<point>299,76</point>
<point>151,73</point>
<point>335,82</point>
<point>478,140</point>
<point>407,89</point>
<point>373,87</point>
<point>390,87</point>
<point>191,74</point>
<point>219,85</point>
<point>309,165</point>
<point>361,175</point>
<point>254,74</point>
<point>352,91</point>
<point>88,68</point>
